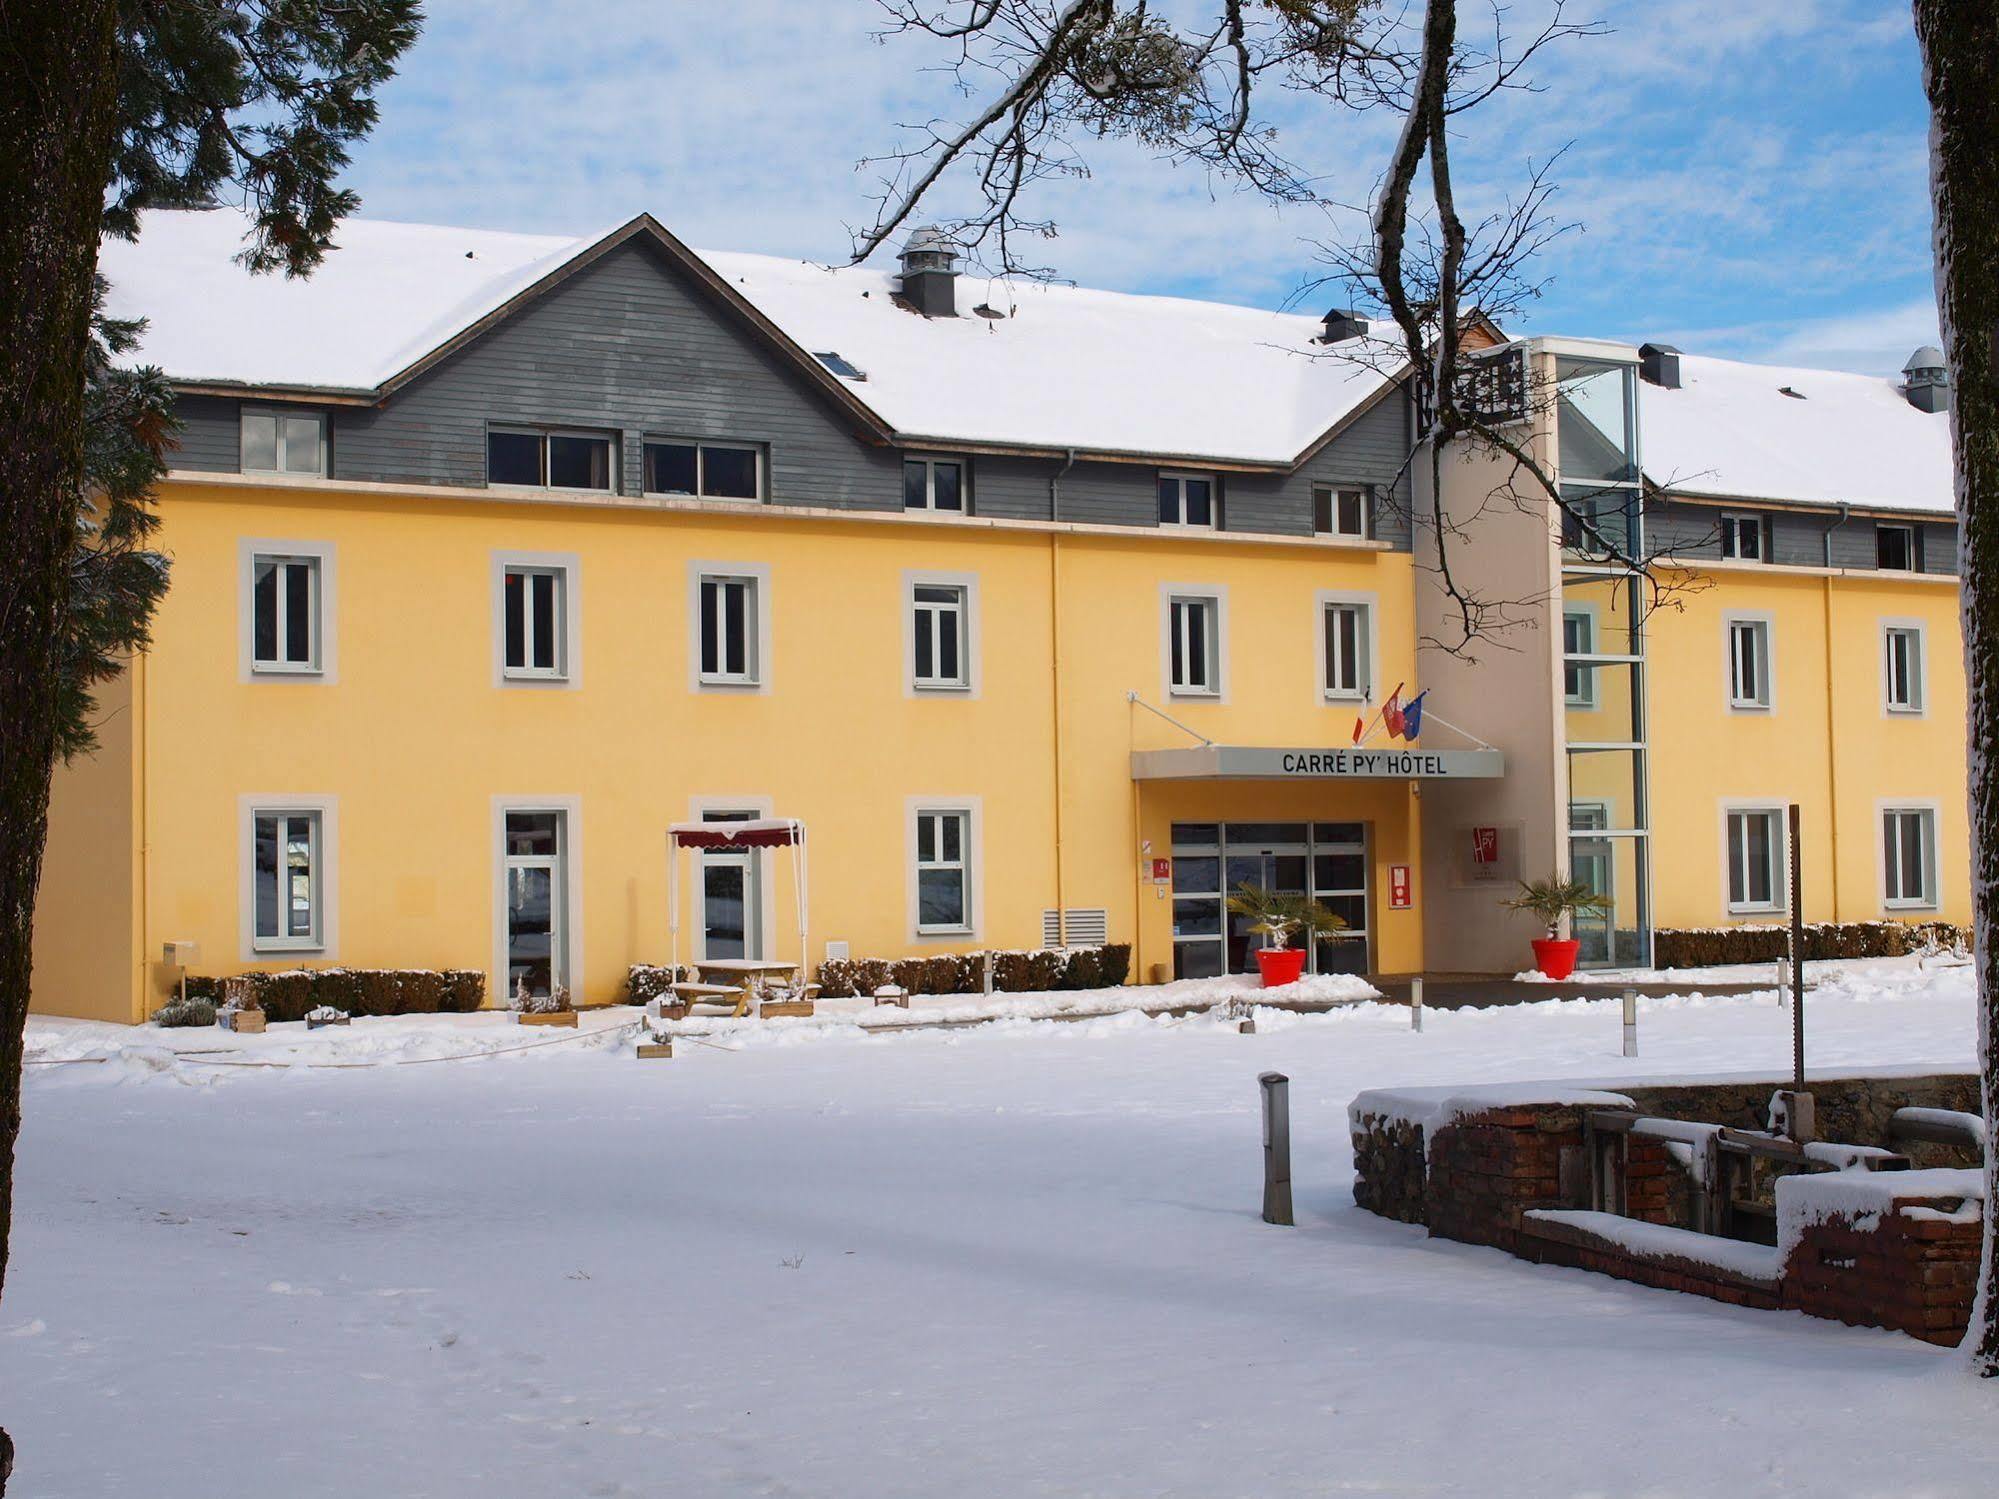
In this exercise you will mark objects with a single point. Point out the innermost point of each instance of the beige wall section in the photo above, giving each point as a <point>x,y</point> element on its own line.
<point>1826,743</point>
<point>1508,692</point>
<point>87,961</point>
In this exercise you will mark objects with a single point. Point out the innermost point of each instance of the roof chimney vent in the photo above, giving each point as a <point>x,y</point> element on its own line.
<point>930,272</point>
<point>1341,324</point>
<point>1659,364</point>
<point>1928,377</point>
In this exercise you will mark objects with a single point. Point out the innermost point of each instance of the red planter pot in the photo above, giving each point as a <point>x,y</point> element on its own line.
<point>1281,965</point>
<point>1556,957</point>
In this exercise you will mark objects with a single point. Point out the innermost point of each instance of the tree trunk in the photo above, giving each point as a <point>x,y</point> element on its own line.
<point>1960,42</point>
<point>58,93</point>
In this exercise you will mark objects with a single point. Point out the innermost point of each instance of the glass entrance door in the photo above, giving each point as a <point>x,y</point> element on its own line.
<point>1594,862</point>
<point>731,896</point>
<point>1210,860</point>
<point>537,939</point>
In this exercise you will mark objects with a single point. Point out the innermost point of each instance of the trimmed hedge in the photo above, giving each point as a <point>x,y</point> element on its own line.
<point>1031,971</point>
<point>649,981</point>
<point>289,994</point>
<point>1711,947</point>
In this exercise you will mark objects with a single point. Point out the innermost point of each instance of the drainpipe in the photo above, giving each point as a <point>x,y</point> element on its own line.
<point>1055,672</point>
<point>1831,740</point>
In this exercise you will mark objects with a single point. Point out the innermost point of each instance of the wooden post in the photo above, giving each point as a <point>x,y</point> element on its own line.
<point>1797,956</point>
<point>1416,1003</point>
<point>1276,1148</point>
<point>1631,1022</point>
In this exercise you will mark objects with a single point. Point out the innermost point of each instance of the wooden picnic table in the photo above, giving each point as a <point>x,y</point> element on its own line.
<point>742,976</point>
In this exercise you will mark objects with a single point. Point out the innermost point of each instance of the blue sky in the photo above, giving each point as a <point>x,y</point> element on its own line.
<point>1749,177</point>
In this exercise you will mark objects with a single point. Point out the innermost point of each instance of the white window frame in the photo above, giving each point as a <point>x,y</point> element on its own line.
<point>930,462</point>
<point>1780,853</point>
<point>325,940</point>
<point>568,673</point>
<point>1333,492</point>
<point>968,683</point>
<point>1586,696</point>
<point>699,809</point>
<point>281,441</point>
<point>1368,607</point>
<point>1180,477</point>
<point>1216,598</point>
<point>1765,630</point>
<point>701,446</point>
<point>573,947</point>
<point>516,429</point>
<point>1888,855</point>
<point>758,679</point>
<point>1918,703</point>
<point>324,667</point>
<point>1731,546</point>
<point>969,863</point>
<point>1915,547</point>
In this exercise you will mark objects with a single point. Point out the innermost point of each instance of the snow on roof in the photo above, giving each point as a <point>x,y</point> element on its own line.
<point>1730,431</point>
<point>386,297</point>
<point>1061,367</point>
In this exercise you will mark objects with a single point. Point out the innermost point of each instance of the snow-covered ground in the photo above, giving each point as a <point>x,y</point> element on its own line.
<point>1021,1259</point>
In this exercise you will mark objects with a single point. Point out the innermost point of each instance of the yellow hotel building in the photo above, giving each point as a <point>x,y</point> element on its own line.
<point>1050,611</point>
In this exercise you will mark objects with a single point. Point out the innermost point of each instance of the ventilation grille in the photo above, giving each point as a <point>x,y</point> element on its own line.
<point>1087,926</point>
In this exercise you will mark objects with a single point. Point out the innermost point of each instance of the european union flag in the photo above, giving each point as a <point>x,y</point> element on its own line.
<point>1412,716</point>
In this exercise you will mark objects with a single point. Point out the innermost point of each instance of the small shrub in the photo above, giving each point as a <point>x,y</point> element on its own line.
<point>645,982</point>
<point>836,979</point>
<point>337,989</point>
<point>464,991</point>
<point>200,986</point>
<point>909,973</point>
<point>1082,968</point>
<point>552,1003</point>
<point>1027,972</point>
<point>195,1009</point>
<point>869,975</point>
<point>1117,963</point>
<point>281,996</point>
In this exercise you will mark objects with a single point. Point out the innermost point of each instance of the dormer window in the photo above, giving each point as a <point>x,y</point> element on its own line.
<point>1188,500</point>
<point>1341,512</point>
<point>933,484</point>
<point>1895,549</point>
<point>529,459</point>
<point>706,470</point>
<point>283,442</point>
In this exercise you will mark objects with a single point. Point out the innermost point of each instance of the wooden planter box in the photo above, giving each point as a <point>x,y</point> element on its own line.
<point>313,1025</point>
<point>553,1017</point>
<point>248,1022</point>
<point>651,1050</point>
<point>776,1007</point>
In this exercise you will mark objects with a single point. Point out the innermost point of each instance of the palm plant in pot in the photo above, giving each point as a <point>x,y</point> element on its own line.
<point>1277,917</point>
<point>1553,900</point>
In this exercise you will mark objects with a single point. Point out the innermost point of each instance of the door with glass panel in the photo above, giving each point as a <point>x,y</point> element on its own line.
<point>1211,860</point>
<point>731,895</point>
<point>1593,862</point>
<point>536,848</point>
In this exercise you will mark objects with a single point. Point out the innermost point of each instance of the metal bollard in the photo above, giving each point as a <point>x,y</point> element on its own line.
<point>987,980</point>
<point>1415,1004</point>
<point>1631,1022</point>
<point>1276,1148</point>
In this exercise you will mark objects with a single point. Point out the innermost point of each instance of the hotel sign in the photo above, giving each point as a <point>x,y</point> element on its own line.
<point>1241,762</point>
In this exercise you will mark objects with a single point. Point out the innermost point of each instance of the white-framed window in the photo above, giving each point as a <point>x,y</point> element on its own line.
<point>707,470</point>
<point>1346,648</point>
<point>1189,500</point>
<point>1909,857</point>
<point>728,643</point>
<point>942,874</point>
<point>1743,537</point>
<point>1895,549</point>
<point>1578,639</point>
<point>1194,648</point>
<point>1342,510</point>
<point>1749,663</point>
<point>936,484</point>
<point>536,619</point>
<point>1903,686</point>
<point>528,458</point>
<point>285,610</point>
<point>940,653</point>
<point>287,885</point>
<point>283,442</point>
<point>1755,837</point>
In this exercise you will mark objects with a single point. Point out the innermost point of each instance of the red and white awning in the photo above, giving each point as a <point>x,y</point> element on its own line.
<point>758,832</point>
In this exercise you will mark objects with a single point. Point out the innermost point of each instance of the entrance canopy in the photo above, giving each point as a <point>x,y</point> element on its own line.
<point>760,832</point>
<point>1245,762</point>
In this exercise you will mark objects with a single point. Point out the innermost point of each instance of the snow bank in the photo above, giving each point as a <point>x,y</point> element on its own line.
<point>1658,1240</point>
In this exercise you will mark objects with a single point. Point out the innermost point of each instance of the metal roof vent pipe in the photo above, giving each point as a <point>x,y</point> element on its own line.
<point>1659,364</point>
<point>1928,379</point>
<point>930,272</point>
<point>1341,324</point>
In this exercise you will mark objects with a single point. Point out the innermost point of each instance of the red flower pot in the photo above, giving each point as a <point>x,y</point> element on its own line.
<point>1555,956</point>
<point>1280,965</point>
